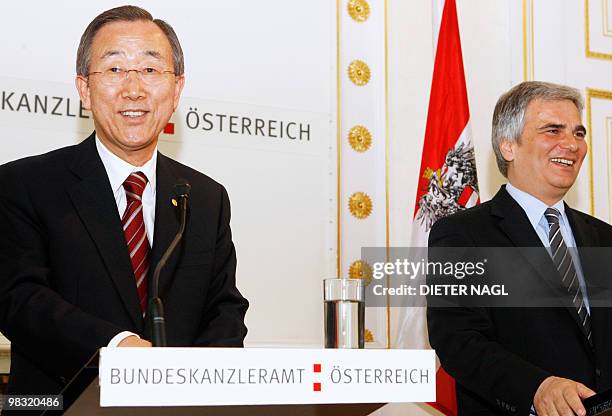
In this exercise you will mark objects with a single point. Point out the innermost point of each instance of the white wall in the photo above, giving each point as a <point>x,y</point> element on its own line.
<point>492,41</point>
<point>278,59</point>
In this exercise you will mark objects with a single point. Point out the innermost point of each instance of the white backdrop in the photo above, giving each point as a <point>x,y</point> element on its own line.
<point>276,59</point>
<point>248,59</point>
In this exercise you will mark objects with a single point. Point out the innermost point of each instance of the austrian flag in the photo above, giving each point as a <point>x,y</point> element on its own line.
<point>447,178</point>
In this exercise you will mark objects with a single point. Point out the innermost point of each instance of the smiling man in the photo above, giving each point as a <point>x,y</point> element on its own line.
<point>538,359</point>
<point>84,226</point>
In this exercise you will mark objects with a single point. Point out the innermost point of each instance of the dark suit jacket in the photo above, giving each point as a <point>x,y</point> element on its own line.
<point>499,356</point>
<point>66,282</point>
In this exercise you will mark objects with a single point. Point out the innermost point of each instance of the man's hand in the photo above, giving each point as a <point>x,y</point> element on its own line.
<point>133,341</point>
<point>558,396</point>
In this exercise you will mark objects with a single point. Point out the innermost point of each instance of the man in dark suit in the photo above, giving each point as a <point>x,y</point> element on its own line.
<point>84,226</point>
<point>537,359</point>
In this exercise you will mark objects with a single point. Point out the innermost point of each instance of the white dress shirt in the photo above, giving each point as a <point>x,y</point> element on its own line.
<point>118,171</point>
<point>534,208</point>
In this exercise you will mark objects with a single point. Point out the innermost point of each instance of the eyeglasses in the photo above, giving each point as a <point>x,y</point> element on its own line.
<point>116,75</point>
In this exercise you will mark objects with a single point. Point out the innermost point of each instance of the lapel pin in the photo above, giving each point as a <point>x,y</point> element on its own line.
<point>174,202</point>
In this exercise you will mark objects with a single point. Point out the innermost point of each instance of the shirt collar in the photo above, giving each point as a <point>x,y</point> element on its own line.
<point>533,207</point>
<point>118,169</point>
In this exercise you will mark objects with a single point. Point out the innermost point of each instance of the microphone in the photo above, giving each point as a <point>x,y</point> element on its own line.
<point>156,307</point>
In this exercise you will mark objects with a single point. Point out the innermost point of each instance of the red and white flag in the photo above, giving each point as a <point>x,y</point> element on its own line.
<point>447,178</point>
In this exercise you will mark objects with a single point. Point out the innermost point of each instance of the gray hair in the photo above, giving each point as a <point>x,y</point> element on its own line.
<point>125,14</point>
<point>509,114</point>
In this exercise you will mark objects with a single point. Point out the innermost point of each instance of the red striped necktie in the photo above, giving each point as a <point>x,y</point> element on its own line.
<point>136,233</point>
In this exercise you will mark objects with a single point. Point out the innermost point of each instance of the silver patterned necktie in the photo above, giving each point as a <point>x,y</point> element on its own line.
<point>565,265</point>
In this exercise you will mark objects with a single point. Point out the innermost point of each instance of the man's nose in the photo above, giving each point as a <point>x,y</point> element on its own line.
<point>133,87</point>
<point>569,142</point>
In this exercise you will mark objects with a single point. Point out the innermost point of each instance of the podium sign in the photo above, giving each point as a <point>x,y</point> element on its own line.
<point>259,376</point>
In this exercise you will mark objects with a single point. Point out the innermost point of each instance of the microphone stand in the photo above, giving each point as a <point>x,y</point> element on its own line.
<point>156,307</point>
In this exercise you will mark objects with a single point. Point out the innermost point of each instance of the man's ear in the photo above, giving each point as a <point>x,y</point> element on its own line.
<point>178,88</point>
<point>82,85</point>
<point>507,149</point>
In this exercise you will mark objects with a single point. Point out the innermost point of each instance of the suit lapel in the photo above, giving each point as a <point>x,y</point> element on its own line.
<point>516,225</point>
<point>586,237</point>
<point>166,222</point>
<point>95,204</point>
<point>585,234</point>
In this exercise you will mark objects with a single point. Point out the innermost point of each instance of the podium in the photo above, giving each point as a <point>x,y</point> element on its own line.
<point>258,381</point>
<point>88,403</point>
